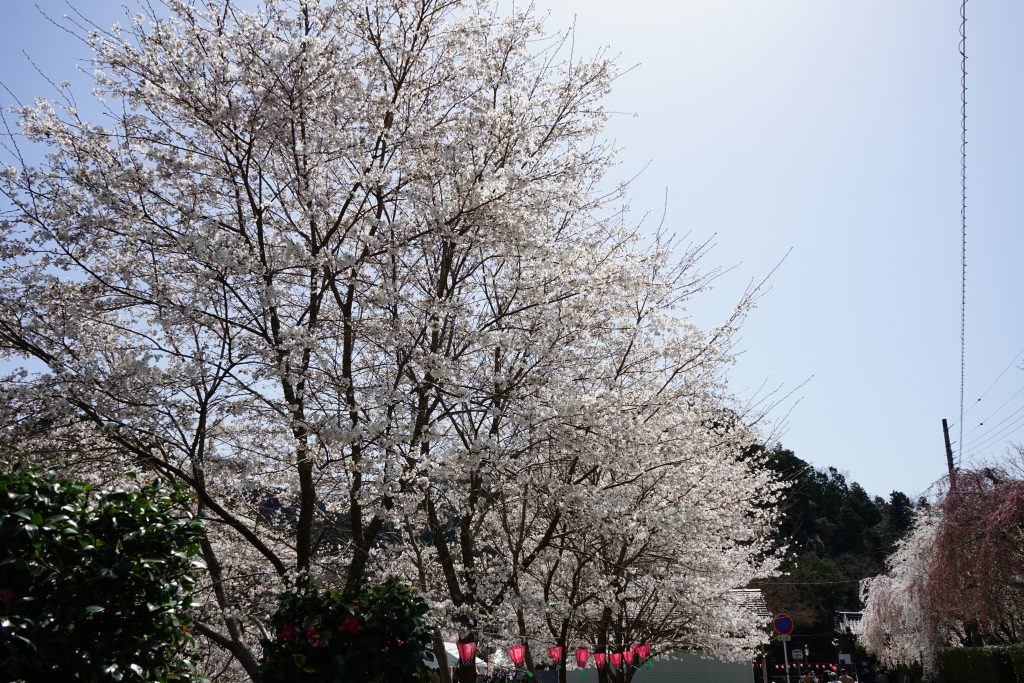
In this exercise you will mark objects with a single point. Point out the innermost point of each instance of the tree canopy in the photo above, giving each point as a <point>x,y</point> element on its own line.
<point>956,581</point>
<point>836,535</point>
<point>354,274</point>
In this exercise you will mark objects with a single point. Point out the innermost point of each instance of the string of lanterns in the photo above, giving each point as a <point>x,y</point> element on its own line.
<point>799,666</point>
<point>640,652</point>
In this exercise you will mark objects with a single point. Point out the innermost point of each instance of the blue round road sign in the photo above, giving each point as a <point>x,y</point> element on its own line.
<point>783,624</point>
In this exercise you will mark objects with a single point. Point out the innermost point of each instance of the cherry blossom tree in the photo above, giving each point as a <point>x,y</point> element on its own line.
<point>617,515</point>
<point>353,274</point>
<point>903,623</point>
<point>956,580</point>
<point>979,552</point>
<point>650,577</point>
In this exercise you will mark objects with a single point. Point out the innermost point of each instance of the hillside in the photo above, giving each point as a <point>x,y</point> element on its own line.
<point>836,535</point>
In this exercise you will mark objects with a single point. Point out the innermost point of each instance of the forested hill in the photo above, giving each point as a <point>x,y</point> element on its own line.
<point>837,534</point>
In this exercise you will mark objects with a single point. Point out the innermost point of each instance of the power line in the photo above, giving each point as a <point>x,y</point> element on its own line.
<point>994,412</point>
<point>1013,428</point>
<point>963,216</point>
<point>996,380</point>
<point>984,436</point>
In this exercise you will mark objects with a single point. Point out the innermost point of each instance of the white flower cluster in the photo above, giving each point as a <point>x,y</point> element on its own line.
<point>901,625</point>
<point>344,269</point>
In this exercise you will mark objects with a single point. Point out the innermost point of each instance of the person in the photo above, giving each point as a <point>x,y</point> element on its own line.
<point>845,677</point>
<point>881,676</point>
<point>806,678</point>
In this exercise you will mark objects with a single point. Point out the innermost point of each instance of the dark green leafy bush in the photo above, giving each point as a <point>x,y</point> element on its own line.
<point>1017,657</point>
<point>977,665</point>
<point>377,635</point>
<point>94,585</point>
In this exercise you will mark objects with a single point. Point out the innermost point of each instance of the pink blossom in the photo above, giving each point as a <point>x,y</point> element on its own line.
<point>350,626</point>
<point>288,634</point>
<point>314,637</point>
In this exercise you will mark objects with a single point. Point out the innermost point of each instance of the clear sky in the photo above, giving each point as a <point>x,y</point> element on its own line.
<point>830,127</point>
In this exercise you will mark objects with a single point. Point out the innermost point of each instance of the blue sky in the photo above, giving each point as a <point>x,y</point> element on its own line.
<point>833,128</point>
<point>829,127</point>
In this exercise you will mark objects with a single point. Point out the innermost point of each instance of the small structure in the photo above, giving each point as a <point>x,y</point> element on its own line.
<point>848,623</point>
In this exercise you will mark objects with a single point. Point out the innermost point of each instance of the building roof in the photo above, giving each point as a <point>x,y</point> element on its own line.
<point>752,599</point>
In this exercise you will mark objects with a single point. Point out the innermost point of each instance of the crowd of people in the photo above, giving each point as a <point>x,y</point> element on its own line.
<point>843,676</point>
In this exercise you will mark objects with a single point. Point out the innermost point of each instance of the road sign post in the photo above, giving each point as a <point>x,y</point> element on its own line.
<point>783,625</point>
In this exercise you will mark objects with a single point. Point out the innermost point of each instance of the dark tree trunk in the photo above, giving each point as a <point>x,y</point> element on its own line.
<point>442,658</point>
<point>465,674</point>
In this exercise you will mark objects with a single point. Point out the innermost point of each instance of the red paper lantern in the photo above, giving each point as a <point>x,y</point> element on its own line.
<point>467,653</point>
<point>600,659</point>
<point>582,655</point>
<point>642,651</point>
<point>627,655</point>
<point>518,654</point>
<point>616,660</point>
<point>556,654</point>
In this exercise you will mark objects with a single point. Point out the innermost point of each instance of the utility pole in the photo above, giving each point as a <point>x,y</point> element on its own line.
<point>949,448</point>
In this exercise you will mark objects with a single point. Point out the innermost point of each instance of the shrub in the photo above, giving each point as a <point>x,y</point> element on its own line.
<point>94,585</point>
<point>1017,657</point>
<point>976,665</point>
<point>377,635</point>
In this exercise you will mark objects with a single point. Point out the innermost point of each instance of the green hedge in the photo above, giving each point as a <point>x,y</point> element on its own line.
<point>94,585</point>
<point>995,664</point>
<point>1017,656</point>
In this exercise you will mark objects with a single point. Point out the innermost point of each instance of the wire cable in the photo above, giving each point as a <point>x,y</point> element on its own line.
<point>993,413</point>
<point>996,380</point>
<point>972,445</point>
<point>1004,434</point>
<point>960,445</point>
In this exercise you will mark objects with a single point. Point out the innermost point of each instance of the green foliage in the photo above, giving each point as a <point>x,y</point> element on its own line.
<point>94,585</point>
<point>837,534</point>
<point>377,635</point>
<point>1017,657</point>
<point>980,664</point>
